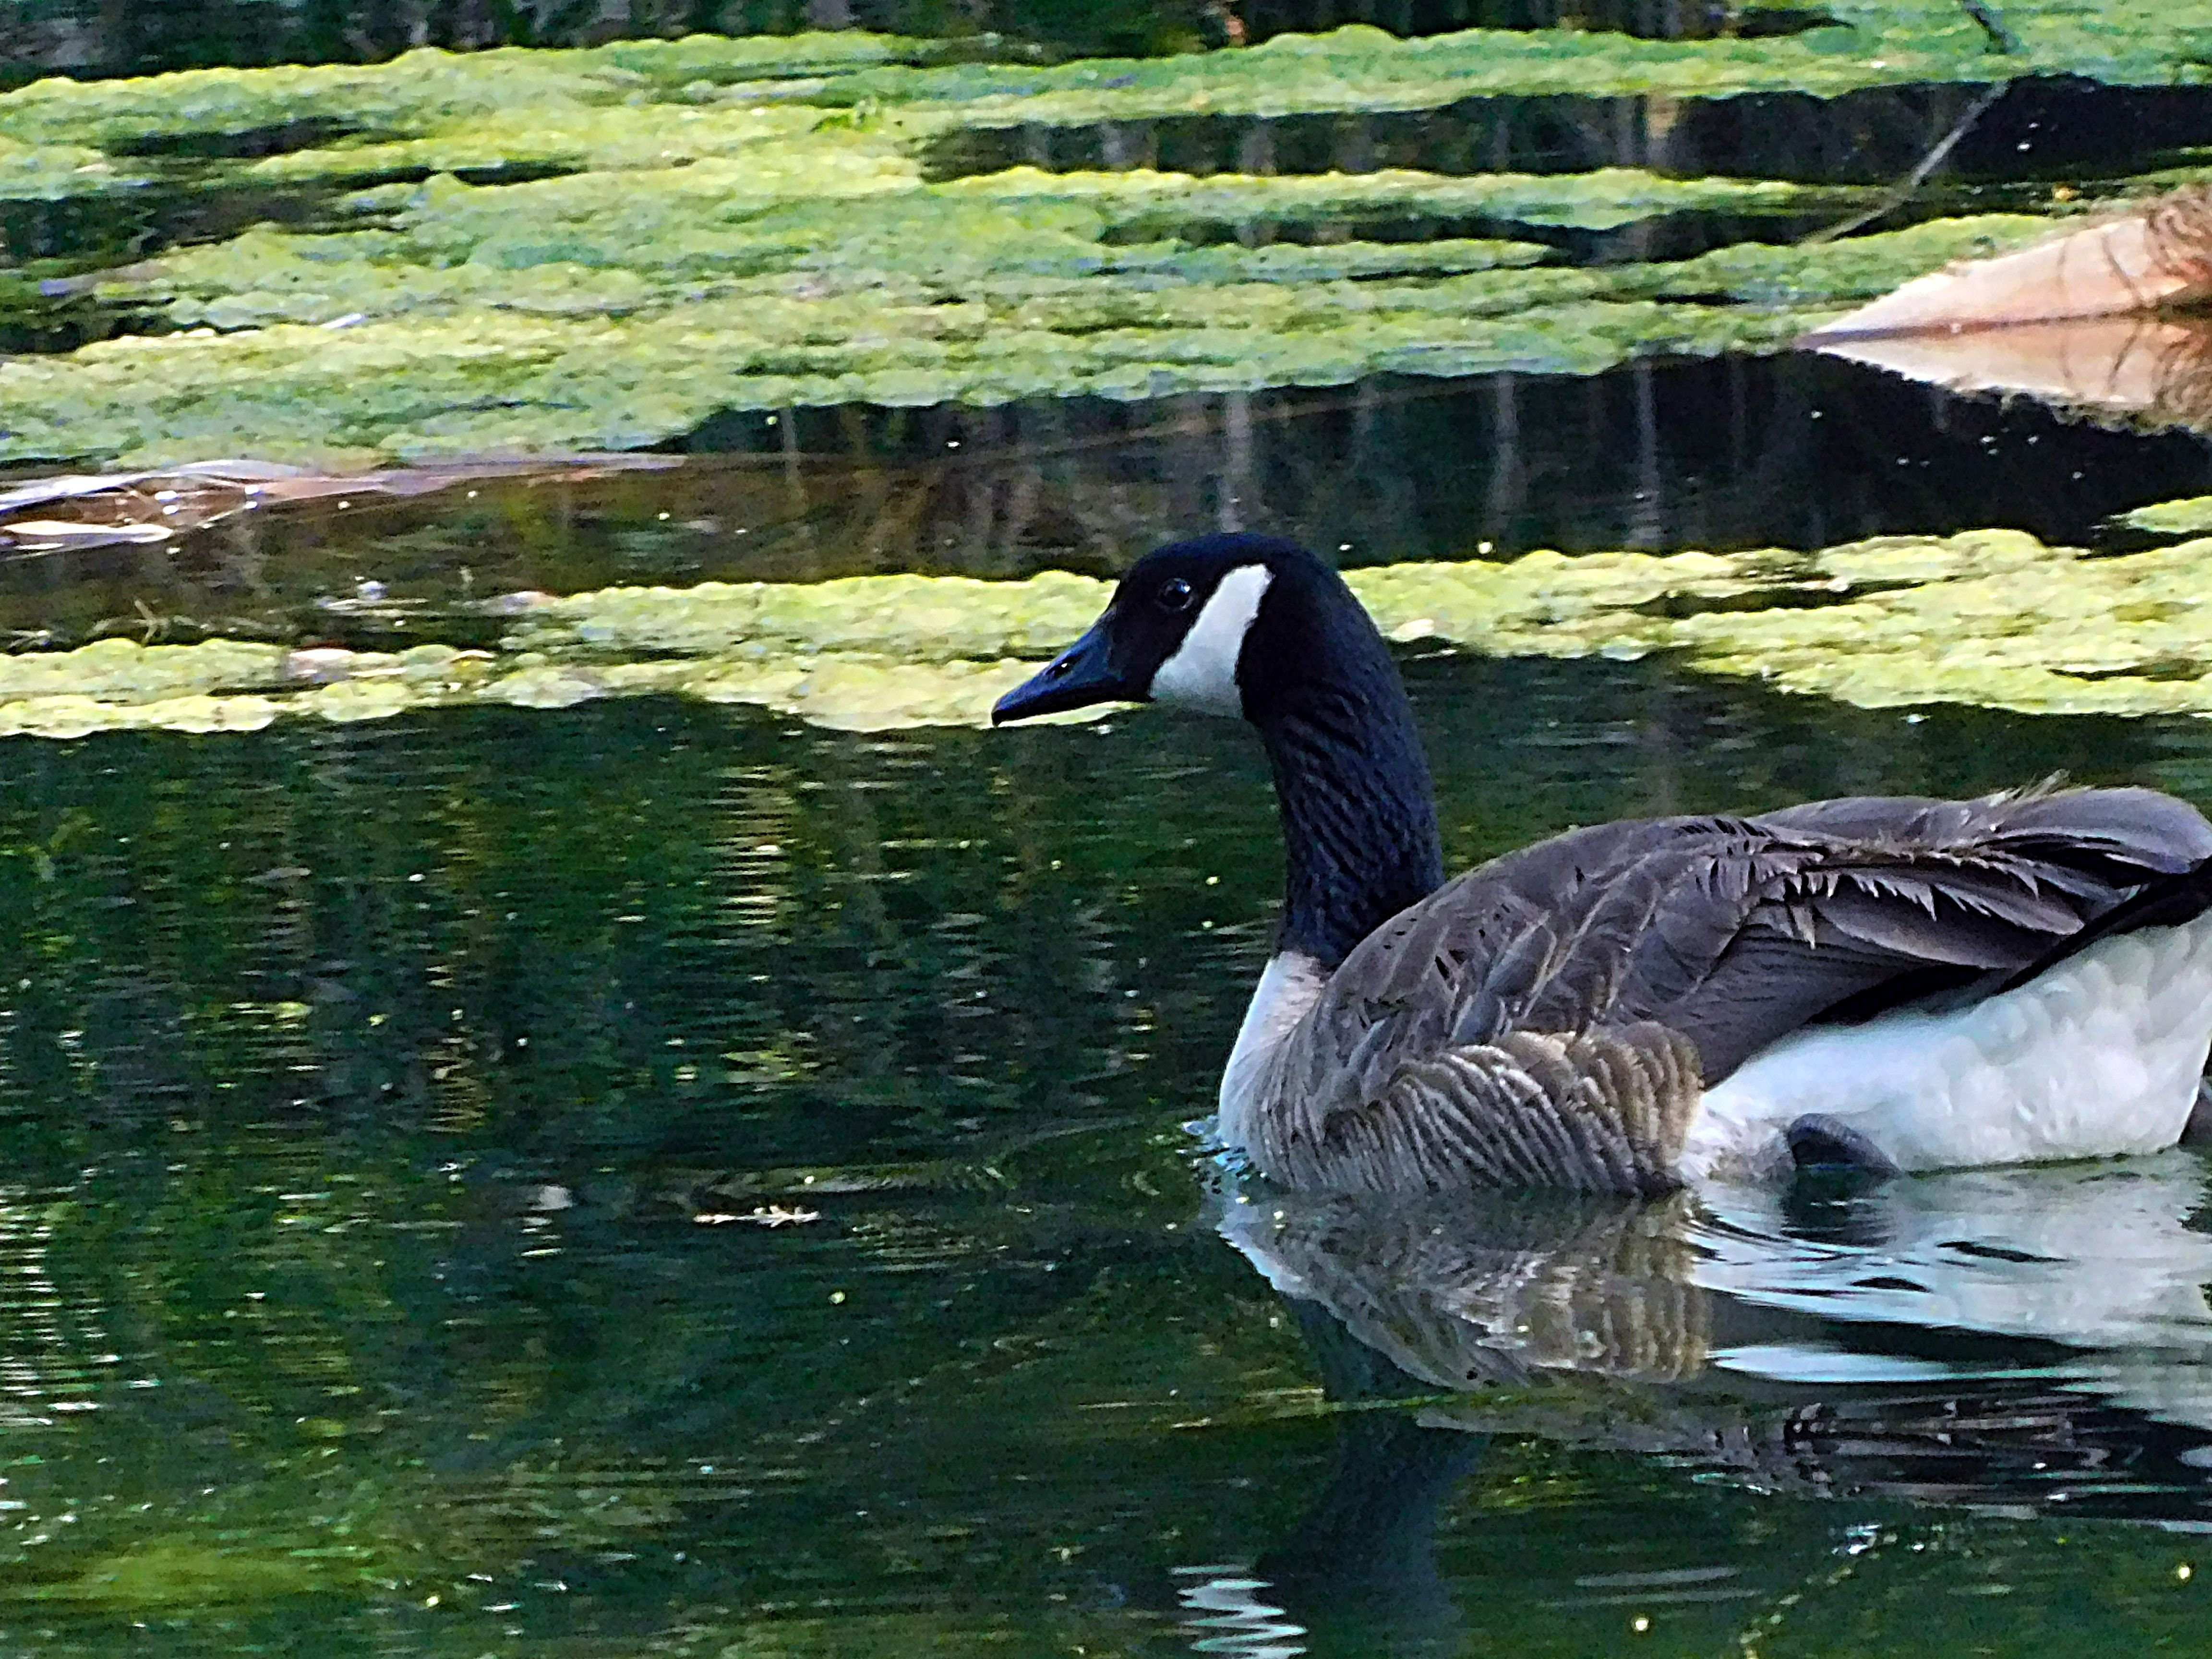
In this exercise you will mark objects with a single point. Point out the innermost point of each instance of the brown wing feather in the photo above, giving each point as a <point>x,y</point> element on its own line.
<point>1654,956</point>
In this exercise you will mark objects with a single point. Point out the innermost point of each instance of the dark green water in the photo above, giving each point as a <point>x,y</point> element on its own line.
<point>652,1179</point>
<point>385,1111</point>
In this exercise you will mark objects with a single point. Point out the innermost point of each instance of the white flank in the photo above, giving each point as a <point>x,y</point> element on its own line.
<point>2100,1056</point>
<point>1202,673</point>
<point>1291,984</point>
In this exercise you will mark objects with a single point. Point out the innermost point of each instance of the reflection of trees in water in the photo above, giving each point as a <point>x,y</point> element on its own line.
<point>143,36</point>
<point>1865,136</point>
<point>1731,454</point>
<point>320,1032</point>
<point>263,1008</point>
<point>1794,452</point>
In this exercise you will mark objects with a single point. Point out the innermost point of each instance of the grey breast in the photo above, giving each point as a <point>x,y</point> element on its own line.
<point>1552,1017</point>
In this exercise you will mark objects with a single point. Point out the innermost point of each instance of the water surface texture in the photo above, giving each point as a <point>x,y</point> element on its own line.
<point>665,1179</point>
<point>630,1176</point>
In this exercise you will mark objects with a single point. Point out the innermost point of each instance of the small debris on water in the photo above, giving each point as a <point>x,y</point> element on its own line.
<point>766,1215</point>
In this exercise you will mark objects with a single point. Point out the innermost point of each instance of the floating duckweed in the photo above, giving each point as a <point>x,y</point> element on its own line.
<point>851,694</point>
<point>427,92</point>
<point>1362,68</point>
<point>1604,199</point>
<point>546,685</point>
<point>118,685</point>
<point>933,619</point>
<point>123,668</point>
<point>550,372</point>
<point>675,87</point>
<point>75,715</point>
<point>1990,617</point>
<point>2189,517</point>
<point>48,171</point>
<point>746,224</point>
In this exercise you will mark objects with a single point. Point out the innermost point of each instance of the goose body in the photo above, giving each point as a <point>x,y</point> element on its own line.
<point>1894,982</point>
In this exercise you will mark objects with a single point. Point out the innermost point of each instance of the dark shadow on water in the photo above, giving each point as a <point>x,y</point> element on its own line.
<point>1794,451</point>
<point>2043,129</point>
<point>1659,237</point>
<point>1789,450</point>
<point>182,204</point>
<point>246,143</point>
<point>118,226</point>
<point>1363,1556</point>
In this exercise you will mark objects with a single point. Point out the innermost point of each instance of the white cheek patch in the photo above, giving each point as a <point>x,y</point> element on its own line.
<point>1202,673</point>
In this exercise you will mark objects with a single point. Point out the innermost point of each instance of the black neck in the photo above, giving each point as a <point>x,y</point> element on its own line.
<point>1359,821</point>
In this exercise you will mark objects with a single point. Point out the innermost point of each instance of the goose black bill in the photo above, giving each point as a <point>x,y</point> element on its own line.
<point>1081,675</point>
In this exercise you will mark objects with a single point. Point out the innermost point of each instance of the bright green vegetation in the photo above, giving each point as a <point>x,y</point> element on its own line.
<point>45,172</point>
<point>2135,41</point>
<point>699,90</point>
<point>196,688</point>
<point>515,341</point>
<point>1992,618</point>
<point>748,224</point>
<point>429,94</point>
<point>2189,517</point>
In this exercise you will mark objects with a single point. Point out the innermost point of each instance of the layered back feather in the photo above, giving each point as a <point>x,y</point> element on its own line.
<point>1580,993</point>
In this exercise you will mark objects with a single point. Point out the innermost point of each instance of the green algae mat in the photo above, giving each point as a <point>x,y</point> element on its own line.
<point>1993,618</point>
<point>541,252</point>
<point>519,252</point>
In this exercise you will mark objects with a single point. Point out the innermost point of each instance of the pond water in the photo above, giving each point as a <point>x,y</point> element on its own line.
<point>1796,452</point>
<point>651,1178</point>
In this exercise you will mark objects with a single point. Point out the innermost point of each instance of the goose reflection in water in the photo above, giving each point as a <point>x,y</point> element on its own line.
<point>2016,1342</point>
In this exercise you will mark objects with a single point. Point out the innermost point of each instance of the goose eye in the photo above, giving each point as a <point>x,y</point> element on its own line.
<point>1174,594</point>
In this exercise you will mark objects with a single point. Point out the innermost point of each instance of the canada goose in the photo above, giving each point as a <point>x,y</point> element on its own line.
<point>1889,982</point>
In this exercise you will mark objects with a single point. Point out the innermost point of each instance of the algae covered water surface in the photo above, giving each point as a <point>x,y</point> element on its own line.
<point>532,251</point>
<point>561,1093</point>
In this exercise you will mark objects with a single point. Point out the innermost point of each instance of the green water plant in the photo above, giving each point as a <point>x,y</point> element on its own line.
<point>1992,618</point>
<point>343,350</point>
<point>522,251</point>
<point>2191,516</point>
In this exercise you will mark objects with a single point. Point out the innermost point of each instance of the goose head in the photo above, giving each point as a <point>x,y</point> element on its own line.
<point>1213,624</point>
<point>1251,625</point>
